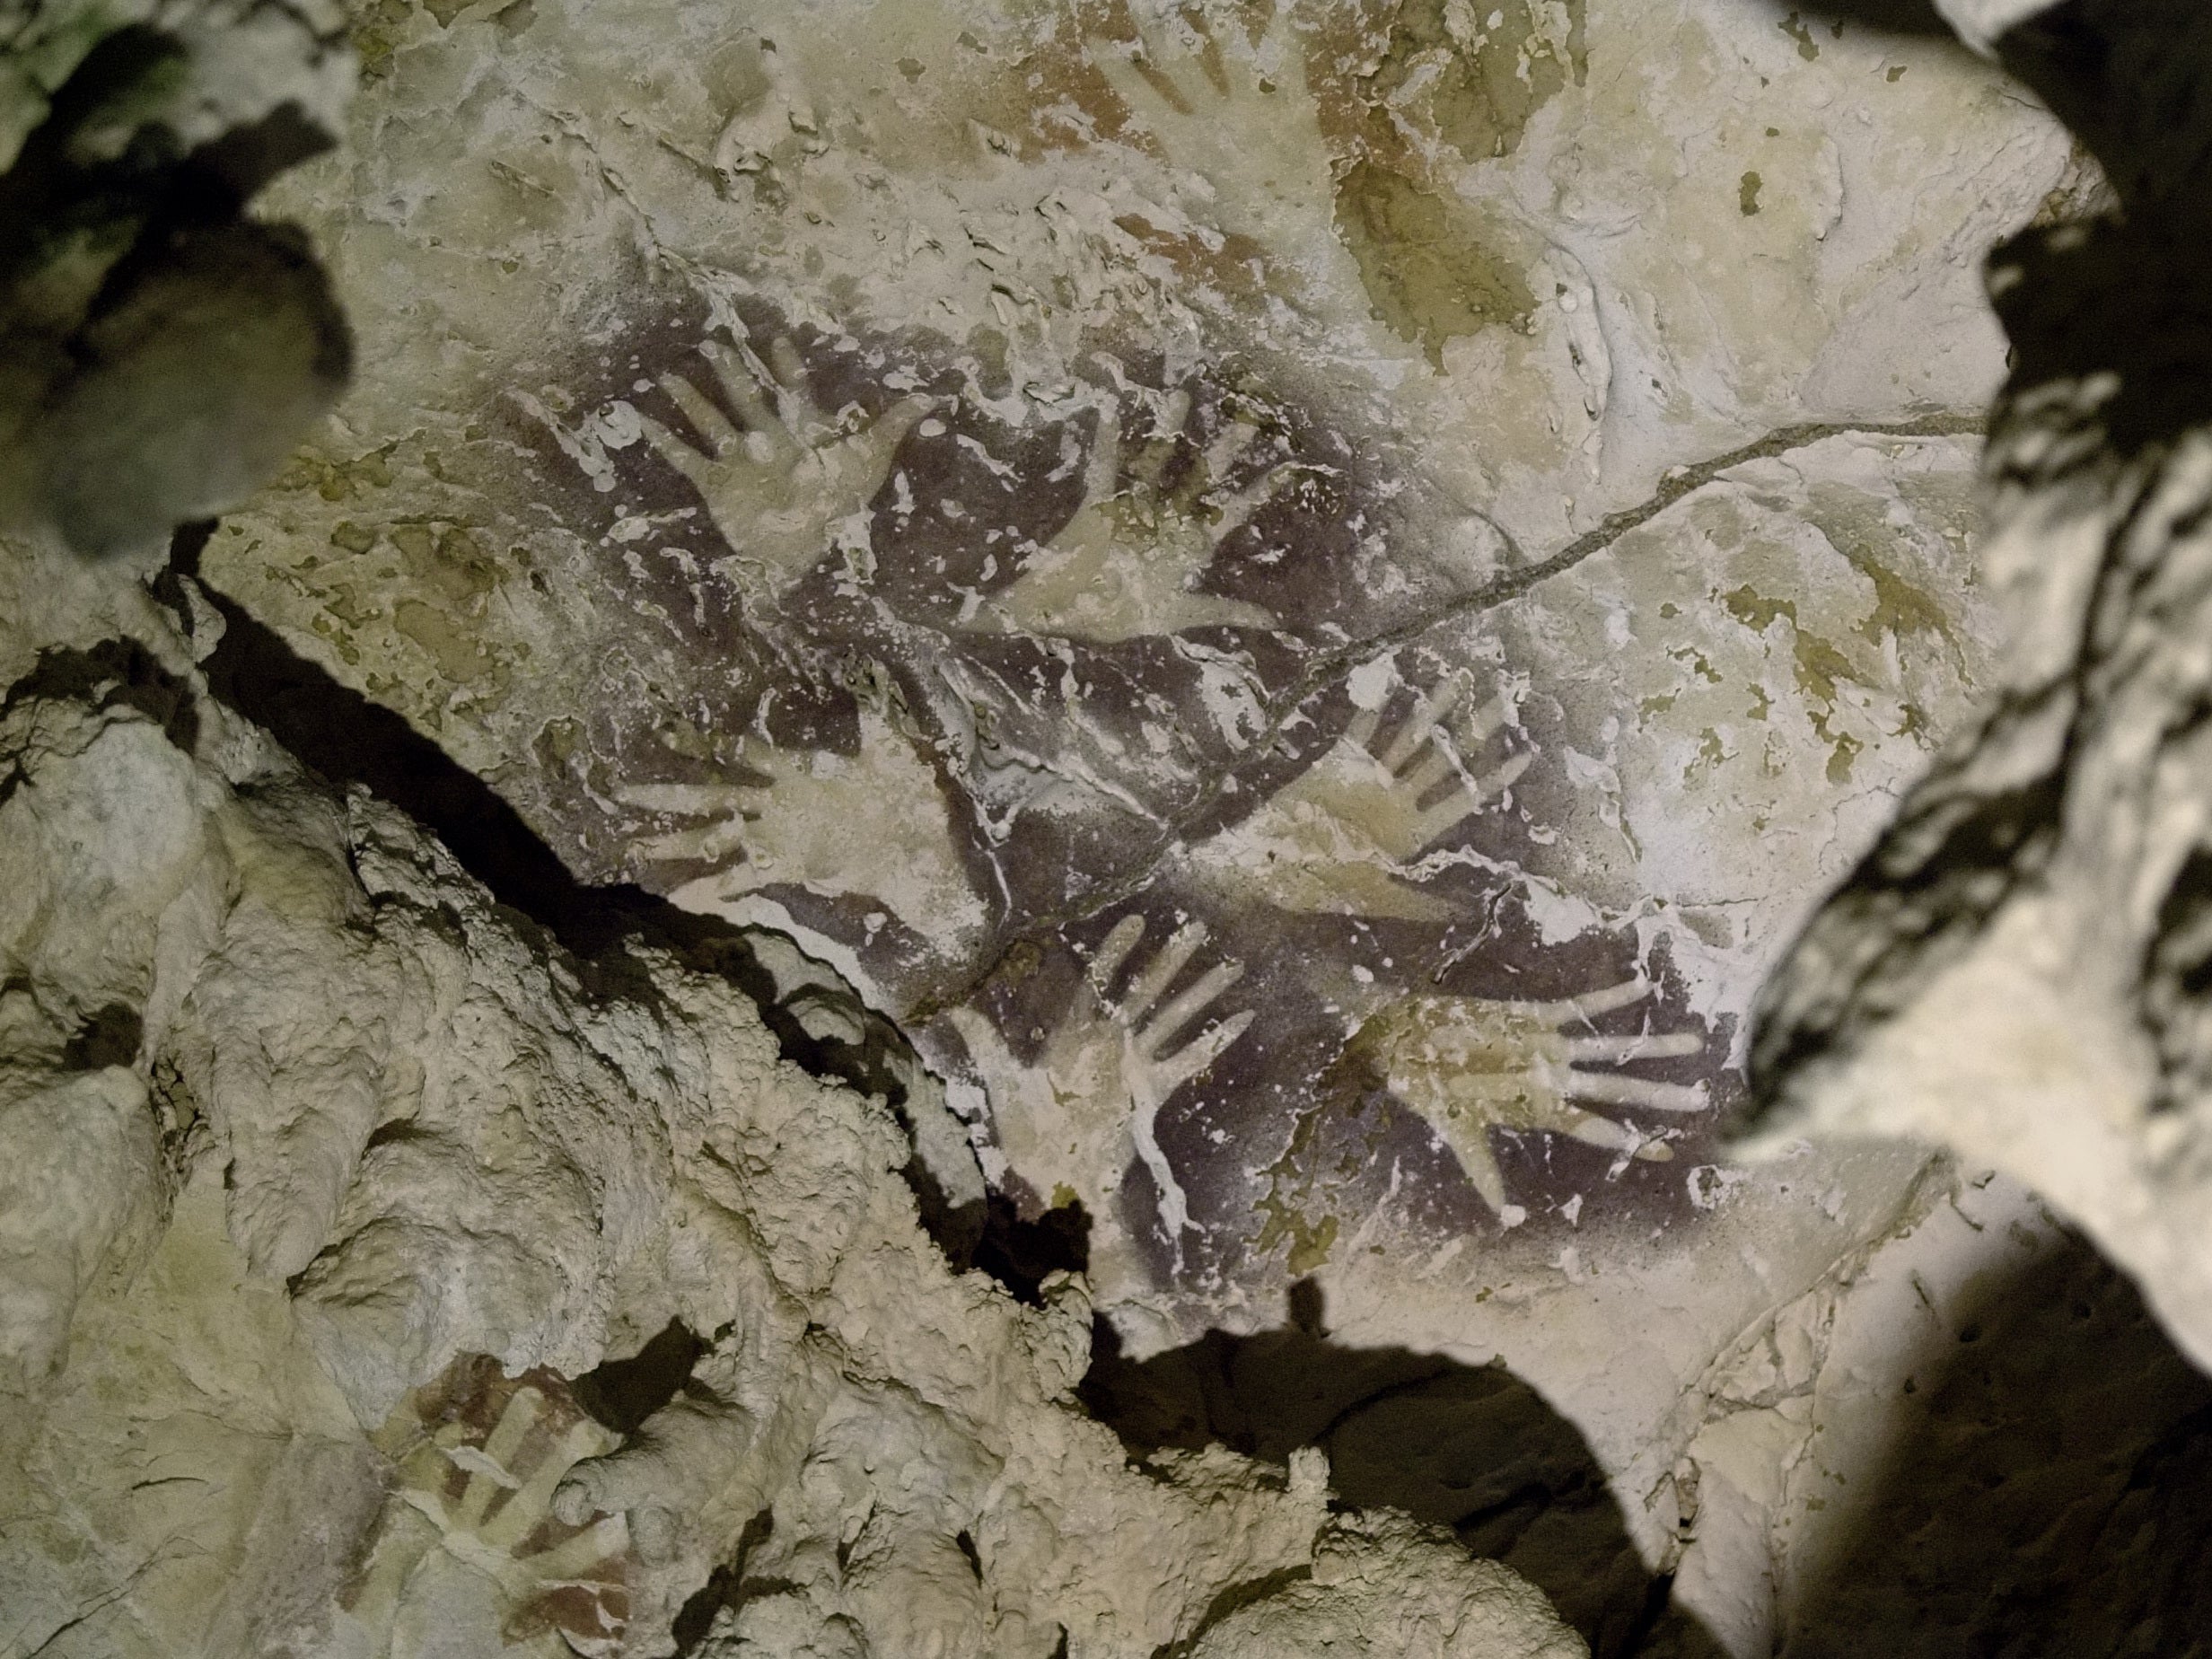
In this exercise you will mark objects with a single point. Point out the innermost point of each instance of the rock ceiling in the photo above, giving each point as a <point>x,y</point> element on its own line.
<point>1431,537</point>
<point>1267,619</point>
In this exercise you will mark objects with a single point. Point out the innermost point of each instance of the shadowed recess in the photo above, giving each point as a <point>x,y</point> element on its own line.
<point>622,1393</point>
<point>2049,1494</point>
<point>1471,1448</point>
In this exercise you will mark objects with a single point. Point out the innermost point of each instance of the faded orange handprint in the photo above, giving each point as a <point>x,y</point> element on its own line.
<point>1129,562</point>
<point>1236,119</point>
<point>1344,835</point>
<point>1073,1118</point>
<point>1468,1065</point>
<point>478,1458</point>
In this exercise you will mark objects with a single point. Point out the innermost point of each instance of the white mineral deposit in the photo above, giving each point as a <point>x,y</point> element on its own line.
<point>1105,828</point>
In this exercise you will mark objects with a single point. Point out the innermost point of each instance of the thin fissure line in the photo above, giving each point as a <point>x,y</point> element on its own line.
<point>1331,665</point>
<point>1672,490</point>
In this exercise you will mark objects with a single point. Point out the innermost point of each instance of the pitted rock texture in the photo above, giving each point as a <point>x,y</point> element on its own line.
<point>160,353</point>
<point>333,1185</point>
<point>2017,968</point>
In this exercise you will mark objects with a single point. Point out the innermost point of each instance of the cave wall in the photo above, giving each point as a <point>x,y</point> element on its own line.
<point>977,862</point>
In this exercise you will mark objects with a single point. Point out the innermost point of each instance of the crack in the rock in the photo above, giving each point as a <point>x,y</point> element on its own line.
<point>1678,486</point>
<point>349,738</point>
<point>1327,667</point>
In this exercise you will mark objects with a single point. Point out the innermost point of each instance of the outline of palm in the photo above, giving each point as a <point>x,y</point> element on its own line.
<point>1125,563</point>
<point>785,487</point>
<point>1169,89</point>
<point>1467,1065</point>
<point>1339,837</point>
<point>1109,1047</point>
<point>509,1478</point>
<point>813,822</point>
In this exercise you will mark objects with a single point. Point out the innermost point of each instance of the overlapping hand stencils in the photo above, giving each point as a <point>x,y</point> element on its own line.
<point>784,482</point>
<point>1468,1066</point>
<point>479,1456</point>
<point>1344,836</point>
<point>875,823</point>
<point>1237,122</point>
<point>1129,562</point>
<point>1074,1117</point>
<point>1035,738</point>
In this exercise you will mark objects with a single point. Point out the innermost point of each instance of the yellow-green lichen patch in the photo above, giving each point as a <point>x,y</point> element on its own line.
<point>448,561</point>
<point>1902,609</point>
<point>1474,77</point>
<point>1747,194</point>
<point>1425,265</point>
<point>338,478</point>
<point>1818,665</point>
<point>1406,96</point>
<point>1711,751</point>
<point>1283,1218</point>
<point>450,642</point>
<point>378,31</point>
<point>1796,635</point>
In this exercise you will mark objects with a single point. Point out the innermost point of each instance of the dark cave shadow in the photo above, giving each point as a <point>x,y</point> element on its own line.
<point>2050,1495</point>
<point>1896,17</point>
<point>349,738</point>
<point>1471,1448</point>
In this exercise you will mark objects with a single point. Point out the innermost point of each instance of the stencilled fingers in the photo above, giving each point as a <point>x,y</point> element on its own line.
<point>772,399</point>
<point>1197,498</point>
<point>1166,83</point>
<point>1109,1063</point>
<point>1469,1064</point>
<point>1347,833</point>
<point>488,1498</point>
<point>780,427</point>
<point>1130,561</point>
<point>1619,1089</point>
<point>814,818</point>
<point>1148,1021</point>
<point>1235,122</point>
<point>782,480</point>
<point>1150,82</point>
<point>720,812</point>
<point>1610,1088</point>
<point>1152,1025</point>
<point>531,1465</point>
<point>1421,764</point>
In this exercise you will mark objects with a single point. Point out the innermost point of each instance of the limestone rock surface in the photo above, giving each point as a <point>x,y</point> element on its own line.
<point>976,866</point>
<point>2017,969</point>
<point>1149,538</point>
<point>333,1189</point>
